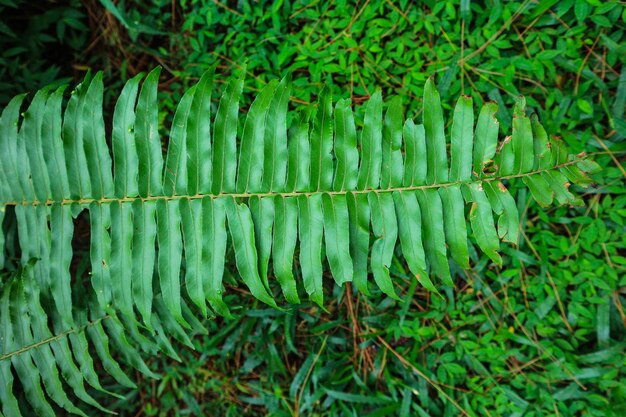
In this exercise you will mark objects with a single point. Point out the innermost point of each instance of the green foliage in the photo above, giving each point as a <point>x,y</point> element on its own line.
<point>564,57</point>
<point>397,45</point>
<point>28,32</point>
<point>57,166</point>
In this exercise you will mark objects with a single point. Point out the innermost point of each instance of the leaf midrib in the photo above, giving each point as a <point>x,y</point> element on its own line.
<point>288,193</point>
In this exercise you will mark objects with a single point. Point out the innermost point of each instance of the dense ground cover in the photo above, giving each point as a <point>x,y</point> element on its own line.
<point>542,335</point>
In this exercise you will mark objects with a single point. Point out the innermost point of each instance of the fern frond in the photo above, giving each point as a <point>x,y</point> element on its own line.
<point>43,360</point>
<point>397,170</point>
<point>308,183</point>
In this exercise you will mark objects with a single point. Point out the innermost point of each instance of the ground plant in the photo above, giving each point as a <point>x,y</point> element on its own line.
<point>414,208</point>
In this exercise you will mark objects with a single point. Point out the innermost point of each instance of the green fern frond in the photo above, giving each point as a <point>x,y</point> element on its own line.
<point>307,183</point>
<point>326,183</point>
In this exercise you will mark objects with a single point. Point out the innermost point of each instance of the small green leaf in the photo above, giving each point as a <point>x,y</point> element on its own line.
<point>385,228</point>
<point>322,143</point>
<point>242,233</point>
<point>310,232</point>
<point>584,106</point>
<point>284,245</point>
<point>371,144</point>
<point>435,136</point>
<point>170,256</point>
<point>337,237</point>
<point>225,137</point>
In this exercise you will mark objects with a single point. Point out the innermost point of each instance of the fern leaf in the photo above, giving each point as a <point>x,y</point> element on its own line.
<point>96,151</point>
<point>307,185</point>
<point>175,174</point>
<point>392,169</point>
<point>251,156</point>
<point>121,257</point>
<point>346,152</point>
<point>409,218</point>
<point>299,149</point>
<point>125,159</point>
<point>385,228</point>
<point>461,140</point>
<point>14,155</point>
<point>170,256</point>
<point>23,364</point>
<point>275,144</point>
<point>359,218</point>
<point>437,160</point>
<point>262,211</point>
<point>59,346</point>
<point>337,237</point>
<point>144,255</point>
<point>30,138</point>
<point>213,254</point>
<point>61,233</point>
<point>371,144</point>
<point>242,232</point>
<point>485,137</point>
<point>311,224</point>
<point>191,216</point>
<point>225,138</point>
<point>455,227</point>
<point>482,223</point>
<point>284,245</point>
<point>10,406</point>
<point>101,345</point>
<point>199,137</point>
<point>434,234</point>
<point>503,205</point>
<point>322,143</point>
<point>76,162</point>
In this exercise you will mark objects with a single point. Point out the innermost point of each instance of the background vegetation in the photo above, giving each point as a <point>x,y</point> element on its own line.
<point>543,335</point>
